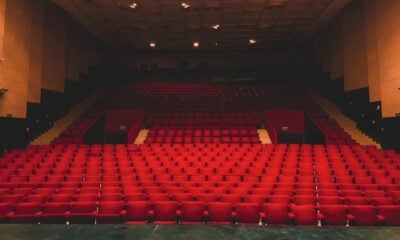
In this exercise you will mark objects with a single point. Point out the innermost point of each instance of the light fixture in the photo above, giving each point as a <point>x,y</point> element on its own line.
<point>216,44</point>
<point>133,5</point>
<point>216,26</point>
<point>185,5</point>
<point>196,44</point>
<point>152,44</point>
<point>252,41</point>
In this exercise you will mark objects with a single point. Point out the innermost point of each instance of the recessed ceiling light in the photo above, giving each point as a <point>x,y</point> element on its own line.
<point>216,44</point>
<point>134,5</point>
<point>252,41</point>
<point>196,44</point>
<point>152,44</point>
<point>185,5</point>
<point>216,26</point>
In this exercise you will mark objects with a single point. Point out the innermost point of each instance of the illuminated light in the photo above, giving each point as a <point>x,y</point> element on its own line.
<point>133,5</point>
<point>216,26</point>
<point>152,44</point>
<point>252,41</point>
<point>216,44</point>
<point>185,5</point>
<point>196,44</point>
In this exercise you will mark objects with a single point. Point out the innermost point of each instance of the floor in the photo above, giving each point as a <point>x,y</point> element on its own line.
<point>193,232</point>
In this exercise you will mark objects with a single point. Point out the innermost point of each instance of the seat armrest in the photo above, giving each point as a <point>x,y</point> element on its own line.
<point>206,213</point>
<point>178,213</point>
<point>320,216</point>
<point>350,217</point>
<point>38,214</point>
<point>381,218</point>
<point>291,215</point>
<point>122,213</point>
<point>262,215</point>
<point>233,214</point>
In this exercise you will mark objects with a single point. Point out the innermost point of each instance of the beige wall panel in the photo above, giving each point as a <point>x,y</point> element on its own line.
<point>54,59</point>
<point>354,47</point>
<point>372,50</point>
<point>36,53</point>
<point>16,53</point>
<point>388,37</point>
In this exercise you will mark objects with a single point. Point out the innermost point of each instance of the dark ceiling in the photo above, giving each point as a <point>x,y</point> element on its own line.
<point>169,25</point>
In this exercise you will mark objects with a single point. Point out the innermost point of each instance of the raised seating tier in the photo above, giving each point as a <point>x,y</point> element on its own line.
<point>216,183</point>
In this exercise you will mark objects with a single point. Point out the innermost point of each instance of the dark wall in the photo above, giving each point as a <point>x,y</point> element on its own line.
<point>18,132</point>
<point>368,116</point>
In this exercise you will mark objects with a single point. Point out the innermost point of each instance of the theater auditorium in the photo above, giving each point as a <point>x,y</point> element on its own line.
<point>202,119</point>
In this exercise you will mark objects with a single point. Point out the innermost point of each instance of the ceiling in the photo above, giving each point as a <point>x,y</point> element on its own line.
<point>171,26</point>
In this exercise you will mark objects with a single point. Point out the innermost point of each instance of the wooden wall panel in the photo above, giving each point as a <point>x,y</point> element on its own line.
<point>2,21</point>
<point>354,47</point>
<point>372,50</point>
<point>54,59</point>
<point>73,51</point>
<point>36,52</point>
<point>16,53</point>
<point>388,19</point>
<point>336,49</point>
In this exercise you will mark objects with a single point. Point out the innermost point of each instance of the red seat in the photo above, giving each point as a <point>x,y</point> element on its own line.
<point>304,214</point>
<point>362,215</point>
<point>275,213</point>
<point>165,212</point>
<point>110,212</point>
<point>5,208</point>
<point>248,213</point>
<point>137,212</point>
<point>332,214</point>
<point>389,214</point>
<point>54,212</point>
<point>220,212</point>
<point>192,212</point>
<point>82,212</point>
<point>25,213</point>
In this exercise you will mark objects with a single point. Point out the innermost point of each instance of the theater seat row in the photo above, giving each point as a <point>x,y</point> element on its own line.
<point>169,212</point>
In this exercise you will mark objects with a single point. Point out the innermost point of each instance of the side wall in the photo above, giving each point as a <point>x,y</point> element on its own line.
<point>40,47</point>
<point>362,46</point>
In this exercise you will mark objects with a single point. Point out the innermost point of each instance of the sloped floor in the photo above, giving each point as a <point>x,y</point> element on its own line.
<point>345,122</point>
<point>64,122</point>
<point>194,232</point>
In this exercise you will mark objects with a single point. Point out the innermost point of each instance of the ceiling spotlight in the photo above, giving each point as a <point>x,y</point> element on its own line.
<point>216,44</point>
<point>216,26</point>
<point>133,5</point>
<point>152,44</point>
<point>185,5</point>
<point>196,44</point>
<point>252,41</point>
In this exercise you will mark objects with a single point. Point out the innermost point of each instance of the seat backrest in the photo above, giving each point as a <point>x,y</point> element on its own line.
<point>391,214</point>
<point>165,210</point>
<point>334,214</point>
<point>111,207</point>
<point>5,208</point>
<point>276,213</point>
<point>55,208</point>
<point>192,211</point>
<point>137,210</point>
<point>83,207</point>
<point>27,208</point>
<point>363,214</point>
<point>248,212</point>
<point>219,211</point>
<point>304,214</point>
